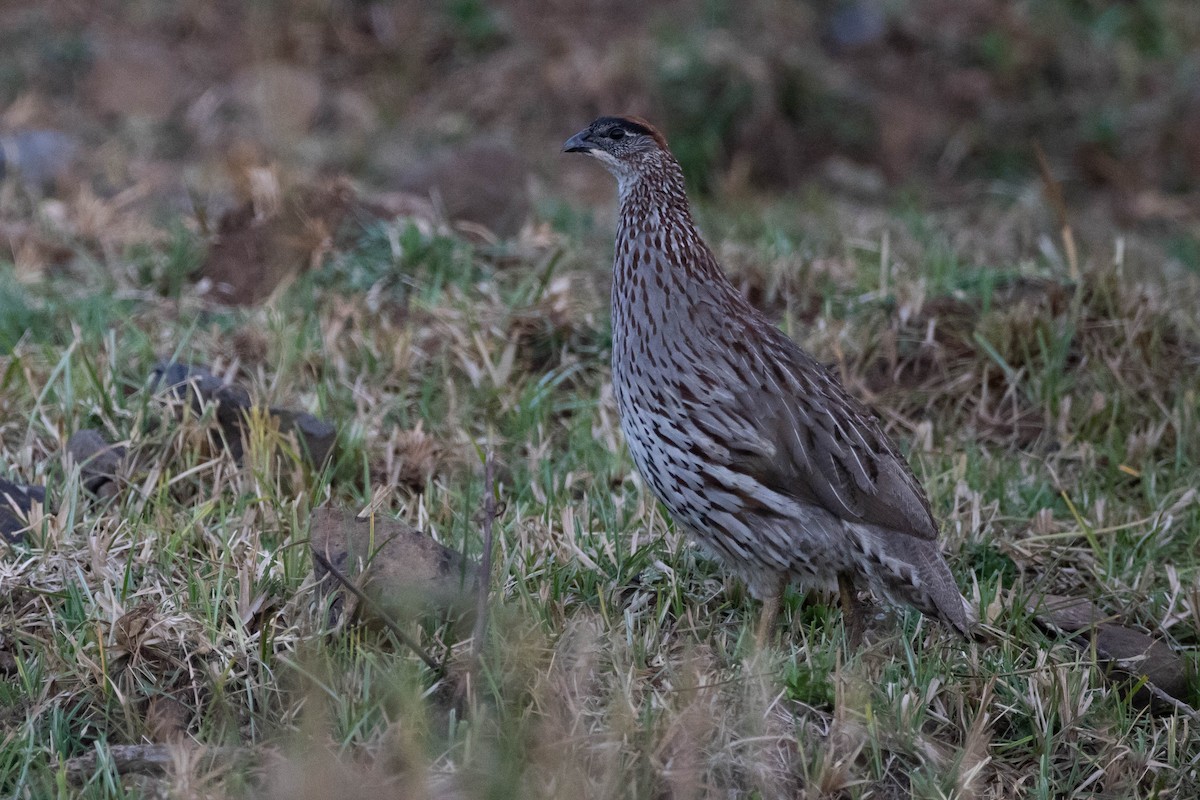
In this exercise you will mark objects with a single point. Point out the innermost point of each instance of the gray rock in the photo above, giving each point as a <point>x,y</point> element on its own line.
<point>38,158</point>
<point>483,183</point>
<point>859,23</point>
<point>16,502</point>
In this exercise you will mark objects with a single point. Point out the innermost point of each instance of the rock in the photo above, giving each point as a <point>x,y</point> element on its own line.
<point>16,505</point>
<point>400,205</point>
<point>38,158</point>
<point>480,183</point>
<point>1126,655</point>
<point>315,435</point>
<point>174,376</point>
<point>397,566</point>
<point>855,25</point>
<point>254,255</point>
<point>197,385</point>
<point>100,463</point>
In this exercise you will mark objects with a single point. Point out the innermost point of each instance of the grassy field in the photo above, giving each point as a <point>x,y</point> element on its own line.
<point>1055,421</point>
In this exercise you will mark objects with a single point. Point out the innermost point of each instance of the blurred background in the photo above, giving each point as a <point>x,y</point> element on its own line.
<point>122,118</point>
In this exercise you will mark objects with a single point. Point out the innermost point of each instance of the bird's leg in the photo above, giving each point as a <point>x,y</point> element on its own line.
<point>851,611</point>
<point>770,612</point>
<point>766,620</point>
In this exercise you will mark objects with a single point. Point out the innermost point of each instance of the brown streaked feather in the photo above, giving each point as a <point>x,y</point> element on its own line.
<point>752,445</point>
<point>835,455</point>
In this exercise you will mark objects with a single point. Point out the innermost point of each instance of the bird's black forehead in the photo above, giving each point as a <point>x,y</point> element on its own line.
<point>629,125</point>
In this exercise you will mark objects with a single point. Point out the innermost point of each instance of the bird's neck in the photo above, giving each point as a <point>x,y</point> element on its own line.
<point>654,196</point>
<point>656,224</point>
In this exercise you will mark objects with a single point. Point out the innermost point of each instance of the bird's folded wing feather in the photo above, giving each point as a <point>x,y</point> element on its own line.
<point>798,432</point>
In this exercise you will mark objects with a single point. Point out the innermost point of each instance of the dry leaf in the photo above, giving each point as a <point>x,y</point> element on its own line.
<point>134,629</point>
<point>410,459</point>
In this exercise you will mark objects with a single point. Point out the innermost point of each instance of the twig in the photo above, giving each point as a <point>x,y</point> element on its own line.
<point>1054,196</point>
<point>485,561</point>
<point>1178,705</point>
<point>375,608</point>
<point>150,759</point>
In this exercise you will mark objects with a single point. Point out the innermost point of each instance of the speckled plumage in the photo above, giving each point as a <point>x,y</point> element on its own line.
<point>751,444</point>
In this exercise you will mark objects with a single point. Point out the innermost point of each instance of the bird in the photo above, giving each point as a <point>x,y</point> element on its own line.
<point>754,446</point>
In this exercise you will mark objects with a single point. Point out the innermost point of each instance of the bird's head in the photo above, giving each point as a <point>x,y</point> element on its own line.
<point>627,146</point>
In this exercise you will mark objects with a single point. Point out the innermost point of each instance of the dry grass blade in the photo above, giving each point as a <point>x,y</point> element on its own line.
<point>1054,196</point>
<point>151,759</point>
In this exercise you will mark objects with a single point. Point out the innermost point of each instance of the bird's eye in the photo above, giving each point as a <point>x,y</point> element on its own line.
<point>616,133</point>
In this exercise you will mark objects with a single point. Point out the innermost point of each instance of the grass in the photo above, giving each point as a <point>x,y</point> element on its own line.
<point>1054,425</point>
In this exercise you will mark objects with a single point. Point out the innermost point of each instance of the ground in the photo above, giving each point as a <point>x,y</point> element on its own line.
<point>1053,421</point>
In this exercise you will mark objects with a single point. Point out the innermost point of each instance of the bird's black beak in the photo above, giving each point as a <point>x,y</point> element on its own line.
<point>578,143</point>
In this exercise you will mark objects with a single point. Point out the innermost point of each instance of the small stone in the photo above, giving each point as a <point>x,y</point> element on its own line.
<point>482,183</point>
<point>1126,655</point>
<point>38,158</point>
<point>855,25</point>
<point>398,566</point>
<point>100,463</point>
<point>198,384</point>
<point>16,504</point>
<point>316,436</point>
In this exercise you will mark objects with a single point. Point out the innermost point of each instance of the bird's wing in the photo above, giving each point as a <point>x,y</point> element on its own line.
<point>796,430</point>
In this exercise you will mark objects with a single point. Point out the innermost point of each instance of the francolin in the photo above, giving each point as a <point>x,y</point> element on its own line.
<point>752,444</point>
